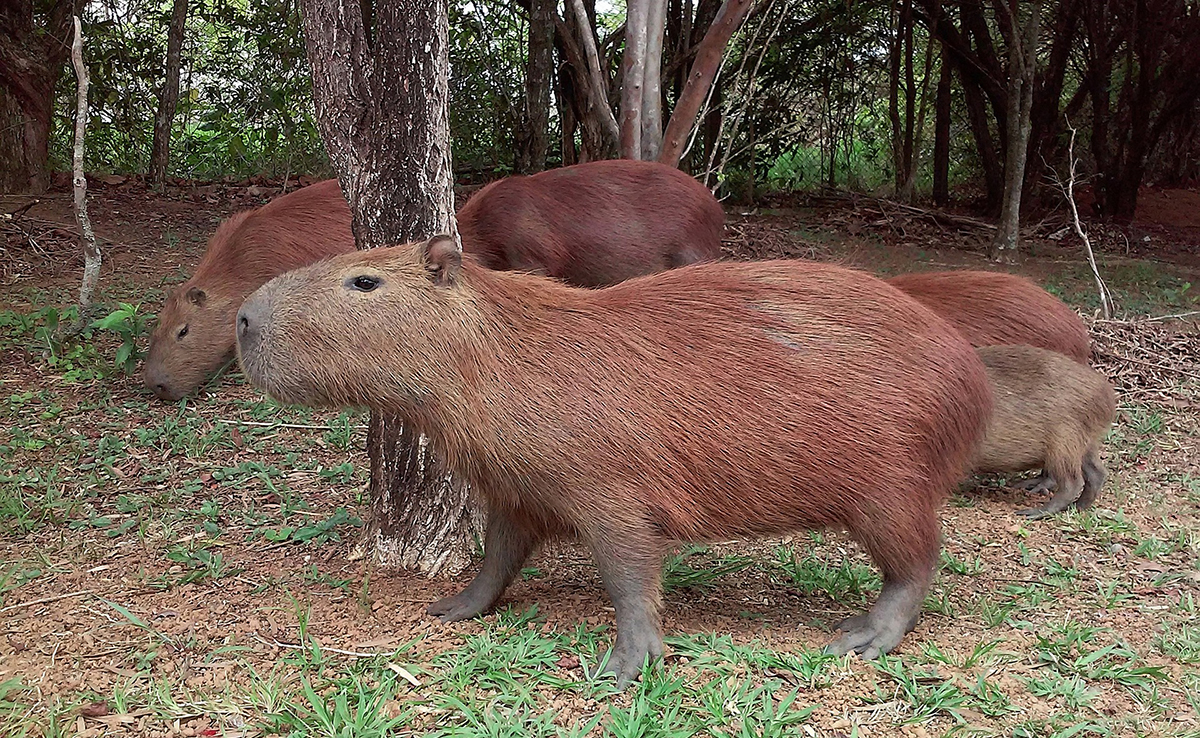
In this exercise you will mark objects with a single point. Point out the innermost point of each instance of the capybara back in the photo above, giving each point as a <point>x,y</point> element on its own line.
<point>993,308</point>
<point>711,401</point>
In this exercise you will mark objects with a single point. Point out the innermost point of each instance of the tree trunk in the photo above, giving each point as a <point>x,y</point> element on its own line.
<point>533,137</point>
<point>633,77</point>
<point>708,59</point>
<point>168,96</point>
<point>894,49</point>
<point>34,43</point>
<point>652,126</point>
<point>601,134</point>
<point>1022,69</point>
<point>91,249</point>
<point>383,112</point>
<point>910,103</point>
<point>941,136</point>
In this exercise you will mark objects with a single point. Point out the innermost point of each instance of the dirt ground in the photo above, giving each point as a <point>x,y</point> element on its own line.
<point>182,569</point>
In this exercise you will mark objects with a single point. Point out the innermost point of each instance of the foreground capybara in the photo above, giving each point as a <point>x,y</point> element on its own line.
<point>994,308</point>
<point>1050,413</point>
<point>590,224</point>
<point>712,401</point>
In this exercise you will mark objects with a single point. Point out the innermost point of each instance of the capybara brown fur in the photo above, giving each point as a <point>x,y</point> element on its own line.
<point>590,224</point>
<point>996,308</point>
<point>593,224</point>
<point>1051,413</point>
<point>713,401</point>
<point>194,335</point>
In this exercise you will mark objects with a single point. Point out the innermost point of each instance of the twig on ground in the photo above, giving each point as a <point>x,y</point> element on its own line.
<point>46,600</point>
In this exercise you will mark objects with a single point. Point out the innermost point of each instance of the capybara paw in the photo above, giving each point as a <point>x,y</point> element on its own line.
<point>625,662</point>
<point>864,636</point>
<point>459,607</point>
<point>1037,485</point>
<point>1036,513</point>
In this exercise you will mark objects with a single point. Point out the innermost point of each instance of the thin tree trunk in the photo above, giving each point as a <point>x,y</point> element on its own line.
<point>168,96</point>
<point>941,135</point>
<point>700,78</point>
<point>918,140</point>
<point>91,249</point>
<point>910,101</point>
<point>894,54</point>
<point>1022,68</point>
<point>383,112</point>
<point>535,122</point>
<point>652,125</point>
<point>633,77</point>
<point>598,108</point>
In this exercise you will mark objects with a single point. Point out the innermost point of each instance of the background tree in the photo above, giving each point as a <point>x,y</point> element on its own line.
<point>35,38</point>
<point>1022,69</point>
<point>381,87</point>
<point>533,139</point>
<point>168,97</point>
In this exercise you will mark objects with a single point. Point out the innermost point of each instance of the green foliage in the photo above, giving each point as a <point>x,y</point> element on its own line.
<point>129,326</point>
<point>320,532</point>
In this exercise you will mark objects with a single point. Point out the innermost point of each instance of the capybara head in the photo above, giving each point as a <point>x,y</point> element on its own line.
<point>192,339</point>
<point>369,303</point>
<point>194,336</point>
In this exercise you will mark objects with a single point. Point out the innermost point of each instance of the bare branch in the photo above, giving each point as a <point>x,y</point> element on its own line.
<point>91,249</point>
<point>1106,304</point>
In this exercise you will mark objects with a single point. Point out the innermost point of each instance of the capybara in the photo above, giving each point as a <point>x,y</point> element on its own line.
<point>590,224</point>
<point>713,401</point>
<point>1050,413</point>
<point>995,308</point>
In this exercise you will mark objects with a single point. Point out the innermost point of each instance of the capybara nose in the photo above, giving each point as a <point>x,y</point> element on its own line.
<point>158,382</point>
<point>249,320</point>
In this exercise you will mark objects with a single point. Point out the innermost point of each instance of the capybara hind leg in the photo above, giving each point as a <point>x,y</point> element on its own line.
<point>1070,486</point>
<point>906,548</point>
<point>507,545</point>
<point>630,571</point>
<point>1094,475</point>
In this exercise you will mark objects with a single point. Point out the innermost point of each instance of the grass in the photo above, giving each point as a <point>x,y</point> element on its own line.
<point>212,536</point>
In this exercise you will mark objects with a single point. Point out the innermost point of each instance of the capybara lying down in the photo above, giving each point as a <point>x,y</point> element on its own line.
<point>994,308</point>
<point>713,401</point>
<point>1050,413</point>
<point>590,224</point>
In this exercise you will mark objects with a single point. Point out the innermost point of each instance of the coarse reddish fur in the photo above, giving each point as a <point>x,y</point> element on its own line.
<point>247,249</point>
<point>589,224</point>
<point>711,401</point>
<point>1050,413</point>
<point>996,308</point>
<point>594,224</point>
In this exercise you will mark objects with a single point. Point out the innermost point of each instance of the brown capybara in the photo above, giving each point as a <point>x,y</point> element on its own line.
<point>590,224</point>
<point>996,308</point>
<point>1050,413</point>
<point>712,401</point>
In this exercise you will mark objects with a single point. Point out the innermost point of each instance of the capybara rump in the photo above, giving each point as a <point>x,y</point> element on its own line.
<point>1050,413</point>
<point>712,401</point>
<point>994,308</point>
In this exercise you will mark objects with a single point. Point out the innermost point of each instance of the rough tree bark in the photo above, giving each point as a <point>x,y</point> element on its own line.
<point>35,39</point>
<point>1022,71</point>
<point>381,93</point>
<point>91,249</point>
<point>652,122</point>
<point>700,78</point>
<point>168,96</point>
<point>535,122</point>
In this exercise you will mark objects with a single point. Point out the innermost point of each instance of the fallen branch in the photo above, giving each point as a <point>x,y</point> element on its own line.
<point>47,600</point>
<point>937,216</point>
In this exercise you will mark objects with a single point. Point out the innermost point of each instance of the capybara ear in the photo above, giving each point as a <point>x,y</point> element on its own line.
<point>443,259</point>
<point>197,296</point>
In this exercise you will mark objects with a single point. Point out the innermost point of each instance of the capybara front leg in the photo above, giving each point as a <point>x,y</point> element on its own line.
<point>1070,487</point>
<point>630,571</point>
<point>903,541</point>
<point>507,545</point>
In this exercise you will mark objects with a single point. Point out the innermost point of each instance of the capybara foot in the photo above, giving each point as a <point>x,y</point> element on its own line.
<point>1068,492</point>
<point>627,657</point>
<point>462,606</point>
<point>864,635</point>
<point>1043,484</point>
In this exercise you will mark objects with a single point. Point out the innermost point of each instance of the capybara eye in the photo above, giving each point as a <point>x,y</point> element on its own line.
<point>182,332</point>
<point>364,283</point>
